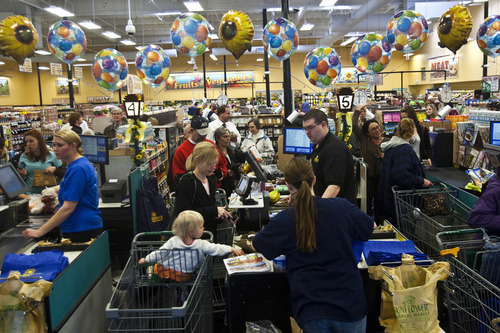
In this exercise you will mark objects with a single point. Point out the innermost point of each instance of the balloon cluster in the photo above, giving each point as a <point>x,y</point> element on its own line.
<point>488,36</point>
<point>110,69</point>
<point>152,65</point>
<point>321,66</point>
<point>407,31</point>
<point>371,53</point>
<point>18,38</point>
<point>66,40</point>
<point>190,34</point>
<point>280,38</point>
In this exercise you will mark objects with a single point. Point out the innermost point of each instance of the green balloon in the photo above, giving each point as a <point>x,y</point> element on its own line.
<point>415,44</point>
<point>370,37</point>
<point>410,13</point>
<point>201,48</point>
<point>377,67</point>
<point>105,84</point>
<point>326,80</point>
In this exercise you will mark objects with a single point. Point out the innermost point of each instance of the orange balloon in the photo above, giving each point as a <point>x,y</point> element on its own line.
<point>140,74</point>
<point>153,56</point>
<point>175,25</point>
<point>106,77</point>
<point>274,29</point>
<point>63,32</point>
<point>96,71</point>
<point>121,61</point>
<point>332,73</point>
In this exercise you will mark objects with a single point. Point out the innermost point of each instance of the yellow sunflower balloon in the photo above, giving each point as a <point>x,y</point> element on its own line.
<point>454,28</point>
<point>236,32</point>
<point>18,38</point>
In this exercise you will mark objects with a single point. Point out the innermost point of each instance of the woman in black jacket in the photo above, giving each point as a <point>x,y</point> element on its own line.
<point>422,143</point>
<point>196,188</point>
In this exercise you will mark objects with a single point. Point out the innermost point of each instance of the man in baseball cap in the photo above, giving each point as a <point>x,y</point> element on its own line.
<point>197,133</point>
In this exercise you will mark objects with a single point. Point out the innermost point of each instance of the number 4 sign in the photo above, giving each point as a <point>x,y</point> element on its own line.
<point>345,98</point>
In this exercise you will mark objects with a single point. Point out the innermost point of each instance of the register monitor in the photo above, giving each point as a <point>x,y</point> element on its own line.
<point>296,141</point>
<point>254,164</point>
<point>11,182</point>
<point>95,148</point>
<point>244,188</point>
<point>495,133</point>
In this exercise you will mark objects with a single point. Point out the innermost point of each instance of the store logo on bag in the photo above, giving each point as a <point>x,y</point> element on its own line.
<point>29,272</point>
<point>316,159</point>
<point>155,218</point>
<point>410,309</point>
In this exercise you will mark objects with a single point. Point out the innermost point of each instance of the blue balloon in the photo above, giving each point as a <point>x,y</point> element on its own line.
<point>65,45</point>
<point>123,74</point>
<point>139,60</point>
<point>364,48</point>
<point>313,62</point>
<point>190,26</point>
<point>391,37</point>
<point>404,24</point>
<point>274,41</point>
<point>290,31</point>
<point>496,40</point>
<point>155,70</point>
<point>176,39</point>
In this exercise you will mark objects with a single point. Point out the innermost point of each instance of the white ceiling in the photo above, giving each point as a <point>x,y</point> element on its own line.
<point>330,25</point>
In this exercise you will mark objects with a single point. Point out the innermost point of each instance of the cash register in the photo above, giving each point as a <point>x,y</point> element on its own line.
<point>13,211</point>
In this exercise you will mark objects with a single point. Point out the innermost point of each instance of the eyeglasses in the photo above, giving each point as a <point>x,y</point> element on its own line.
<point>310,128</point>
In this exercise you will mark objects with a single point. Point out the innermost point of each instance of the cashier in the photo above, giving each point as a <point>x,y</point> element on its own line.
<point>78,215</point>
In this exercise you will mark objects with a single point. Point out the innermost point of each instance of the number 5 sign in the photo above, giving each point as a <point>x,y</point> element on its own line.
<point>345,98</point>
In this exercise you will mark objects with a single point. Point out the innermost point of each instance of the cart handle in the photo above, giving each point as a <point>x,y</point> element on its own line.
<point>206,234</point>
<point>460,232</point>
<point>453,252</point>
<point>414,190</point>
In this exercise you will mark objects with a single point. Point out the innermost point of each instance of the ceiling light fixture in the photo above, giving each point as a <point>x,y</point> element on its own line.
<point>213,36</point>
<point>349,40</point>
<point>168,14</point>
<point>111,34</point>
<point>42,52</point>
<point>61,12</point>
<point>138,48</point>
<point>326,3</point>
<point>2,63</point>
<point>43,68</point>
<point>213,57</point>
<point>193,6</point>
<point>90,25</point>
<point>306,26</point>
<point>127,42</point>
<point>260,59</point>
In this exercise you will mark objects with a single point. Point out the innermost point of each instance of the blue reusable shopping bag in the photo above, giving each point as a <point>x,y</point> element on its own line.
<point>33,267</point>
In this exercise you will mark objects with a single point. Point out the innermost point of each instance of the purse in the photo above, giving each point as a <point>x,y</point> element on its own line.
<point>44,179</point>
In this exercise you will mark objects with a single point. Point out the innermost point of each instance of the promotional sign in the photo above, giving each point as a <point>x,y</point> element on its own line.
<point>26,67</point>
<point>449,64</point>
<point>490,83</point>
<point>134,84</point>
<point>56,69</point>
<point>213,80</point>
<point>78,72</point>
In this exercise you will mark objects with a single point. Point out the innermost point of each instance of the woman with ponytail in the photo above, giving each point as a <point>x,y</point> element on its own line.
<point>315,235</point>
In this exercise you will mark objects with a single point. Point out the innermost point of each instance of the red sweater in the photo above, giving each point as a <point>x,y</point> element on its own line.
<point>181,155</point>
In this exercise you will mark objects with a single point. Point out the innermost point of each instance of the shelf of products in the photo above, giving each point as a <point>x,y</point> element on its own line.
<point>158,165</point>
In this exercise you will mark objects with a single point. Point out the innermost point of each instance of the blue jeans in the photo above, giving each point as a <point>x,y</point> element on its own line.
<point>334,326</point>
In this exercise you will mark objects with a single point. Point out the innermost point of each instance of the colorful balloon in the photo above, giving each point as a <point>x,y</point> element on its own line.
<point>454,28</point>
<point>322,66</point>
<point>236,32</point>
<point>407,31</point>
<point>280,38</point>
<point>152,65</point>
<point>190,34</point>
<point>110,69</point>
<point>371,53</point>
<point>18,38</point>
<point>67,41</point>
<point>488,36</point>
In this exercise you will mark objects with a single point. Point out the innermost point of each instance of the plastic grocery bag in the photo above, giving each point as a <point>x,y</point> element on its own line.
<point>413,306</point>
<point>261,326</point>
<point>21,306</point>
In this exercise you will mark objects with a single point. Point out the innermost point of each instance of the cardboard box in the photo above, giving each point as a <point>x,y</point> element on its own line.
<point>446,124</point>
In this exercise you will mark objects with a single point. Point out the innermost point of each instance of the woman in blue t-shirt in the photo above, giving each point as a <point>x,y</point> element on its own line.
<point>36,157</point>
<point>78,215</point>
<point>315,235</point>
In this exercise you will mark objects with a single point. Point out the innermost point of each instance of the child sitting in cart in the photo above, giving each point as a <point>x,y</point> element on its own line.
<point>178,258</point>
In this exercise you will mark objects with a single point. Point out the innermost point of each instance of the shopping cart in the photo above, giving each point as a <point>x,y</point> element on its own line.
<point>147,300</point>
<point>473,301</point>
<point>225,235</point>
<point>421,214</point>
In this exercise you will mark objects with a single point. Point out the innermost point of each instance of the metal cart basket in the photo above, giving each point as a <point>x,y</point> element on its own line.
<point>473,301</point>
<point>147,300</point>
<point>421,214</point>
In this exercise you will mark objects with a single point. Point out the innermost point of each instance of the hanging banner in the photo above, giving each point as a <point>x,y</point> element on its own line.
<point>449,64</point>
<point>56,69</point>
<point>78,72</point>
<point>27,66</point>
<point>134,84</point>
<point>490,83</point>
<point>214,80</point>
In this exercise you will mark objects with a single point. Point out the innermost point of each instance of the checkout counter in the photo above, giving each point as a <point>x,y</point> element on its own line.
<point>83,288</point>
